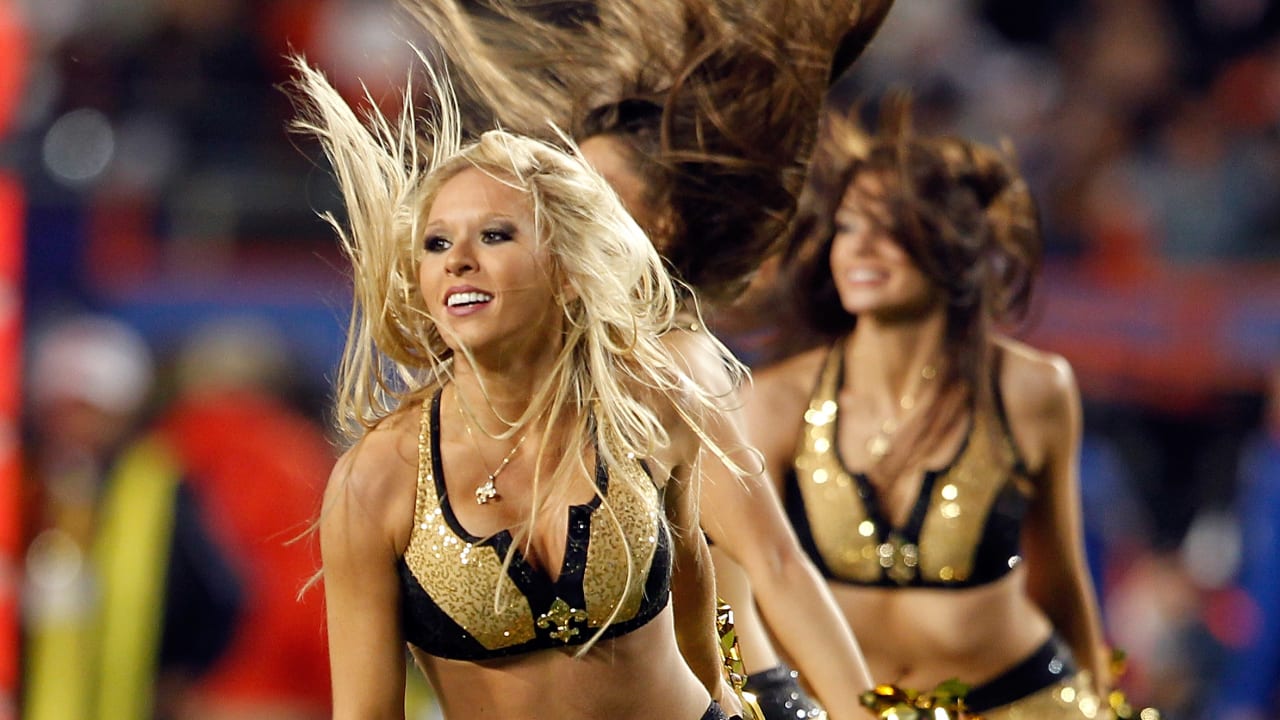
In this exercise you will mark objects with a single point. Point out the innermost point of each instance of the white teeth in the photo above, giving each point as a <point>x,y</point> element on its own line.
<point>866,275</point>
<point>468,298</point>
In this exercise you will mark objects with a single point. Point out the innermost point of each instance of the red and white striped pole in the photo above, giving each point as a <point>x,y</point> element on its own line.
<point>13,61</point>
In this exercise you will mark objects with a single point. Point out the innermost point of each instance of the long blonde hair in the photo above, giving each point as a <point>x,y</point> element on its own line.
<point>618,299</point>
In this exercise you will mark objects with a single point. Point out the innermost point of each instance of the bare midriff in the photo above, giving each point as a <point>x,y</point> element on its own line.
<point>918,637</point>
<point>636,676</point>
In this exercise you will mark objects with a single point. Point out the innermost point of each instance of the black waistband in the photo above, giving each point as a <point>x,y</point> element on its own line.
<point>1049,665</point>
<point>715,712</point>
<point>779,694</point>
<point>773,677</point>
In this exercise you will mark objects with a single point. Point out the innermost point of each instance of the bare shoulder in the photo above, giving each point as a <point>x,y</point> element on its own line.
<point>775,403</point>
<point>1041,401</point>
<point>1034,383</point>
<point>376,479</point>
<point>786,385</point>
<point>701,357</point>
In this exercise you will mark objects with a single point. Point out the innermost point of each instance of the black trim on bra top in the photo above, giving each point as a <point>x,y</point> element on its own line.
<point>1019,464</point>
<point>793,504</point>
<point>431,629</point>
<point>992,557</point>
<point>909,532</point>
<point>524,573</point>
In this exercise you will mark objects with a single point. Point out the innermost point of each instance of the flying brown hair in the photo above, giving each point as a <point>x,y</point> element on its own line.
<point>717,101</point>
<point>958,208</point>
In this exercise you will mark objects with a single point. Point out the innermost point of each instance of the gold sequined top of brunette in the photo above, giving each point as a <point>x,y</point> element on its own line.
<point>963,529</point>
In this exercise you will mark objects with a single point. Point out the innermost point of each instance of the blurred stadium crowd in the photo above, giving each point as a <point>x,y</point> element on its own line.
<point>177,284</point>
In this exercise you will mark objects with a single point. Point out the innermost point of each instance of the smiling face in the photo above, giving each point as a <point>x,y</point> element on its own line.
<point>873,273</point>
<point>484,274</point>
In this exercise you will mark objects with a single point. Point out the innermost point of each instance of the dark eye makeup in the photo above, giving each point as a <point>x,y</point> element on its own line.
<point>495,233</point>
<point>498,233</point>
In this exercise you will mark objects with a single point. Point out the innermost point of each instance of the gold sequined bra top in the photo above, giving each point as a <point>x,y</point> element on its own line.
<point>449,579</point>
<point>962,531</point>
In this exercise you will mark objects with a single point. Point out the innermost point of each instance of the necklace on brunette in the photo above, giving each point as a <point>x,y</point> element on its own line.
<point>879,444</point>
<point>488,490</point>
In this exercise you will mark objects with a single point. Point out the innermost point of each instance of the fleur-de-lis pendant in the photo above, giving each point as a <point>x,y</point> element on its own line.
<point>486,492</point>
<point>561,616</point>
